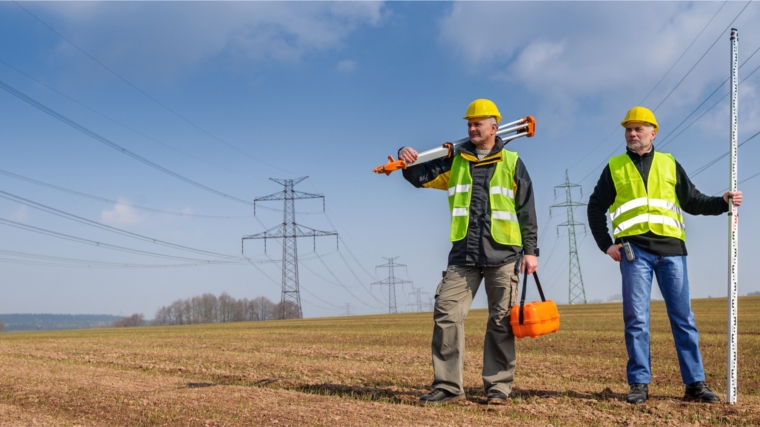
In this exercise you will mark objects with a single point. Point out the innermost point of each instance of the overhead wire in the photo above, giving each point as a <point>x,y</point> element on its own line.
<point>64,236</point>
<point>116,202</point>
<point>347,289</point>
<point>715,160</point>
<point>653,87</point>
<point>32,204</point>
<point>48,260</point>
<point>703,55</point>
<point>677,85</point>
<point>111,119</point>
<point>684,52</point>
<point>112,144</point>
<point>665,140</point>
<point>183,118</point>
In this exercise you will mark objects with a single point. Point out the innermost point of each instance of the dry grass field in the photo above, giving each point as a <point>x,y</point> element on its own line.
<point>365,370</point>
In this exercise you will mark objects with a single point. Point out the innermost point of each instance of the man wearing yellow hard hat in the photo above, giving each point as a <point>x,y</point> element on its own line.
<point>493,223</point>
<point>646,193</point>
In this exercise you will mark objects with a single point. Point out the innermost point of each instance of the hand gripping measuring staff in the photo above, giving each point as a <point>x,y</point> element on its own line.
<point>522,127</point>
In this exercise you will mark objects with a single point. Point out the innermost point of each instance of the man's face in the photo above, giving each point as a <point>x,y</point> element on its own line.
<point>639,136</point>
<point>481,130</point>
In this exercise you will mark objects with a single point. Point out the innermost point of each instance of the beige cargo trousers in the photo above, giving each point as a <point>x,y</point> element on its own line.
<point>453,299</point>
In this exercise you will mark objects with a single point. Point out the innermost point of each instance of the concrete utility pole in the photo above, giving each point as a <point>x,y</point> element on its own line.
<point>418,305</point>
<point>576,293</point>
<point>391,282</point>
<point>289,231</point>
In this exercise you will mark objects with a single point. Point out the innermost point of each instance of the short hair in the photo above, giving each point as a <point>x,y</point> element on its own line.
<point>492,120</point>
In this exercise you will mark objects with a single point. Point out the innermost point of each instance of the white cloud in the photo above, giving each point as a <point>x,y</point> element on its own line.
<point>612,53</point>
<point>166,38</point>
<point>346,66</point>
<point>20,214</point>
<point>121,214</point>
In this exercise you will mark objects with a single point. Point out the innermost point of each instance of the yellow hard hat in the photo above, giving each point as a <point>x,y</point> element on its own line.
<point>482,108</point>
<point>640,114</point>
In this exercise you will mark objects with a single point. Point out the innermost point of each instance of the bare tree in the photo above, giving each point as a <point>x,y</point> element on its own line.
<point>261,308</point>
<point>225,307</point>
<point>238,310</point>
<point>130,321</point>
<point>285,310</point>
<point>209,308</point>
<point>161,318</point>
<point>196,310</point>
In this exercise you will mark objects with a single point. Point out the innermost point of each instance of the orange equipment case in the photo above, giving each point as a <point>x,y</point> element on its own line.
<point>536,318</point>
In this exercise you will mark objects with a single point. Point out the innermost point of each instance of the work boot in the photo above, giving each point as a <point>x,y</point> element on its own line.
<point>495,397</point>
<point>439,396</point>
<point>700,392</point>
<point>638,394</point>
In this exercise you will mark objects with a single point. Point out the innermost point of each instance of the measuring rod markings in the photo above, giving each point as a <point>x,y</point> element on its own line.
<point>733,227</point>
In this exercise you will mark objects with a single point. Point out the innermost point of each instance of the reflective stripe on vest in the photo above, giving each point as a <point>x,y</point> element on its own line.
<point>505,229</point>
<point>638,209</point>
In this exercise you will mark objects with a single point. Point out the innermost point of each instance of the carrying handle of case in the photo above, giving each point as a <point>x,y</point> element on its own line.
<point>525,290</point>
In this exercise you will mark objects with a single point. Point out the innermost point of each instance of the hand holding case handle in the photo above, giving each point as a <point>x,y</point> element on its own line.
<point>536,318</point>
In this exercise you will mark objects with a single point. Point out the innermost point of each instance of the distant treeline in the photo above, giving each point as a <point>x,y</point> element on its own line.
<point>40,322</point>
<point>207,308</point>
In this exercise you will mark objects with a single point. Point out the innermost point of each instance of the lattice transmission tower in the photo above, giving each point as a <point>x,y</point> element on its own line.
<point>289,231</point>
<point>576,293</point>
<point>418,305</point>
<point>391,282</point>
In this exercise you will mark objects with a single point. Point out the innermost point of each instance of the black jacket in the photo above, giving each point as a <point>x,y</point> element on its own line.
<point>691,200</point>
<point>478,248</point>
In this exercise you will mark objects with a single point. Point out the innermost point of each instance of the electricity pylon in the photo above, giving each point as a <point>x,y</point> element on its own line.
<point>289,231</point>
<point>391,282</point>
<point>418,305</point>
<point>576,293</point>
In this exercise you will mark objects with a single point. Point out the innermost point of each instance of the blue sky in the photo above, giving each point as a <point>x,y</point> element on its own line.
<point>231,94</point>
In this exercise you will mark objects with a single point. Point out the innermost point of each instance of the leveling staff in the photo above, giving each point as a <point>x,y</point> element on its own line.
<point>493,220</point>
<point>646,193</point>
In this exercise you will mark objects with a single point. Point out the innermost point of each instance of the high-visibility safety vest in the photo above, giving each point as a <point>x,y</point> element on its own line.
<point>638,209</point>
<point>505,229</point>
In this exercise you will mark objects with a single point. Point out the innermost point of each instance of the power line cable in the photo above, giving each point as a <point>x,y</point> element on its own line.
<point>77,262</point>
<point>147,95</point>
<point>715,160</point>
<point>126,126</point>
<point>112,144</point>
<point>740,182</point>
<point>665,140</point>
<point>63,236</point>
<point>684,52</point>
<point>653,87</point>
<point>89,196</point>
<point>81,220</point>
<point>703,56</point>
<point>300,286</point>
<point>346,288</point>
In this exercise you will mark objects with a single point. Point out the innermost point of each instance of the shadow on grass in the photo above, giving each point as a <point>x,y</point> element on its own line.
<point>518,393</point>
<point>200,385</point>
<point>361,392</point>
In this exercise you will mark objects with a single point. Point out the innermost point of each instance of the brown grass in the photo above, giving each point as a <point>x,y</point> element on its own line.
<point>366,370</point>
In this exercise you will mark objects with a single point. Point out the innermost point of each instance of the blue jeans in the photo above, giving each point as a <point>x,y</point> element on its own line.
<point>673,280</point>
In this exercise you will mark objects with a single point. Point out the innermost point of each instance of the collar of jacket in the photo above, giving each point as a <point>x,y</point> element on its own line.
<point>634,155</point>
<point>467,150</point>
